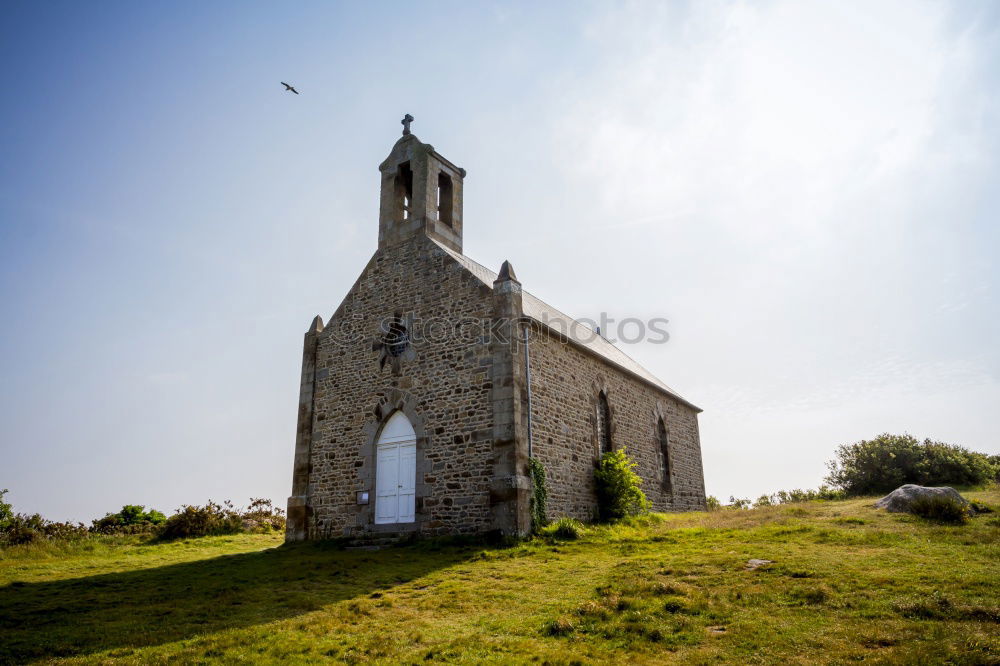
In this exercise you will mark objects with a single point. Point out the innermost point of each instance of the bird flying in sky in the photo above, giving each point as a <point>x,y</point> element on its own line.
<point>288,87</point>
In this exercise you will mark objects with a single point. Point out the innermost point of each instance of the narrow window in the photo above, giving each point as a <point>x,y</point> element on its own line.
<point>604,423</point>
<point>404,191</point>
<point>444,198</point>
<point>661,437</point>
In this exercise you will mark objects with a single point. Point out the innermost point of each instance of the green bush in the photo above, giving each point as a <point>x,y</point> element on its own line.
<point>739,503</point>
<point>6,510</point>
<point>619,488</point>
<point>949,464</point>
<point>883,464</point>
<point>941,509</point>
<point>539,495</point>
<point>566,529</point>
<point>798,495</point>
<point>712,503</point>
<point>213,519</point>
<point>780,497</point>
<point>262,516</point>
<point>196,521</point>
<point>24,528</point>
<point>132,519</point>
<point>979,507</point>
<point>19,528</point>
<point>189,521</point>
<point>994,462</point>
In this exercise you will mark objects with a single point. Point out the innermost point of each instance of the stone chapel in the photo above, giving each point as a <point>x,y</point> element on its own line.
<point>424,396</point>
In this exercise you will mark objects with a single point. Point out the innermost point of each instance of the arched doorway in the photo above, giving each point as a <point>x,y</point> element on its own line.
<point>395,471</point>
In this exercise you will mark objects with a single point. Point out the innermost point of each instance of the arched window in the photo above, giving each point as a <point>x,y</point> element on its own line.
<point>661,438</point>
<point>604,423</point>
<point>395,471</point>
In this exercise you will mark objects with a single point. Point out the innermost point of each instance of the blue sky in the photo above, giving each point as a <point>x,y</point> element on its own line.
<point>808,192</point>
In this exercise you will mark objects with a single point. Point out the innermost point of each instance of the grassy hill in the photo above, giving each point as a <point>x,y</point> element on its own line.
<point>847,583</point>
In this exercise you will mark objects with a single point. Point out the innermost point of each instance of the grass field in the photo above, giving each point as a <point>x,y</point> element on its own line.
<point>848,583</point>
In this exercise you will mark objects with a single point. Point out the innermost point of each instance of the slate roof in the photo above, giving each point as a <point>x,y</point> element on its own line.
<point>567,327</point>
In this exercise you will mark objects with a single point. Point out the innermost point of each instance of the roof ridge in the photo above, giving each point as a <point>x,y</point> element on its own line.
<point>463,257</point>
<point>546,314</point>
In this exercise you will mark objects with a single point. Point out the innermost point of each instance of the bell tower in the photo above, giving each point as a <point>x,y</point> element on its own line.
<point>421,193</point>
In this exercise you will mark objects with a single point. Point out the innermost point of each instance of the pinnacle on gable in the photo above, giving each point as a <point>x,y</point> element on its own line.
<point>506,273</point>
<point>316,326</point>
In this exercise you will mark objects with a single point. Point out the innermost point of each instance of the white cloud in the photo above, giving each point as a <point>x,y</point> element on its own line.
<point>800,179</point>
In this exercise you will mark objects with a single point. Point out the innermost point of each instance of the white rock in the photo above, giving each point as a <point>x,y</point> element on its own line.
<point>901,499</point>
<point>756,564</point>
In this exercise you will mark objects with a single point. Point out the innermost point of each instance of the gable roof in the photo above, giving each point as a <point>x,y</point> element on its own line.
<point>569,328</point>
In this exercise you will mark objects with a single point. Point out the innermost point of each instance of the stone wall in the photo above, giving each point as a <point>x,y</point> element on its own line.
<point>444,388</point>
<point>565,383</point>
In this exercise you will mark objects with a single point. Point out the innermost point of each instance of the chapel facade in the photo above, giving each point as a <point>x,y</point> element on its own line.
<point>424,396</point>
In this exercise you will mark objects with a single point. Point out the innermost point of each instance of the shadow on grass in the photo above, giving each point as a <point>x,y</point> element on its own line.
<point>158,605</point>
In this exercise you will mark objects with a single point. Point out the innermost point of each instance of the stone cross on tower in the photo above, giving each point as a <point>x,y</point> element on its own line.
<point>407,119</point>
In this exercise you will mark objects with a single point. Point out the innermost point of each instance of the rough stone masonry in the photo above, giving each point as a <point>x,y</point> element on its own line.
<point>422,397</point>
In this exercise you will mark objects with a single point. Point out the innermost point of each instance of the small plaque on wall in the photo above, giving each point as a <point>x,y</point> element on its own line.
<point>362,497</point>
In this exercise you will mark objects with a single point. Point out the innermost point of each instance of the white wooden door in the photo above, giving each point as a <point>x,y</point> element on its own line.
<point>395,472</point>
<point>386,484</point>
<point>407,480</point>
